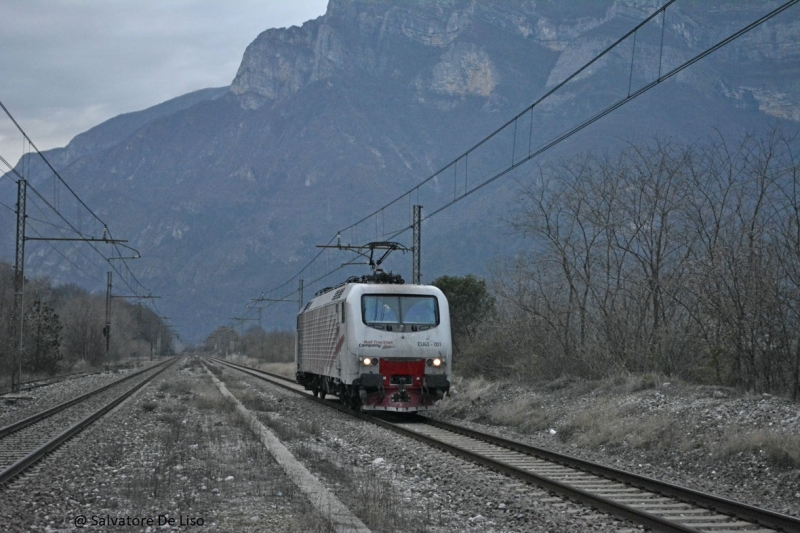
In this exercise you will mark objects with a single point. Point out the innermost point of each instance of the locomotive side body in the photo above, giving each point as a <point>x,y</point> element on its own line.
<point>376,346</point>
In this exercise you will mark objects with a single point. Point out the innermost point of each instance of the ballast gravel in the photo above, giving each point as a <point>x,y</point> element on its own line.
<point>742,446</point>
<point>177,451</point>
<point>174,457</point>
<point>36,400</point>
<point>408,485</point>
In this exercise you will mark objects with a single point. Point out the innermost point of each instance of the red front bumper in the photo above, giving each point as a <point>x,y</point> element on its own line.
<point>402,389</point>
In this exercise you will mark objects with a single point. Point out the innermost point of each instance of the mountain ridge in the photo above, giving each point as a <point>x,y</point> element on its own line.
<point>226,192</point>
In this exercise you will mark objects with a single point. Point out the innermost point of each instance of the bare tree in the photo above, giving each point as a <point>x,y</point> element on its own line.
<point>554,214</point>
<point>83,319</point>
<point>666,258</point>
<point>43,339</point>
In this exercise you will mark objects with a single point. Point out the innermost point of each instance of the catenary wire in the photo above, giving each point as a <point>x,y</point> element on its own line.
<point>106,230</point>
<point>661,78</point>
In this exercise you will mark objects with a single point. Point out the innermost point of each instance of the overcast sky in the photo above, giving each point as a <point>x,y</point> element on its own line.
<point>68,65</point>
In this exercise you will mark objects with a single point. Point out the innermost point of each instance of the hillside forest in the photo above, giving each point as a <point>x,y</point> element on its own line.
<point>64,329</point>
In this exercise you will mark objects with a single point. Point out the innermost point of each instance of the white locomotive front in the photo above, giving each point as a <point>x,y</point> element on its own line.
<point>376,343</point>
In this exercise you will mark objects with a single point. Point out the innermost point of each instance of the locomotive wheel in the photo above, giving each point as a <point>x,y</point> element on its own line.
<point>315,392</point>
<point>322,394</point>
<point>353,401</point>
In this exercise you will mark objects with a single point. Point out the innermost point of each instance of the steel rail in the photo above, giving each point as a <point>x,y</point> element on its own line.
<point>25,422</point>
<point>708,502</point>
<point>24,463</point>
<point>259,373</point>
<point>570,492</point>
<point>43,382</point>
<point>750,513</point>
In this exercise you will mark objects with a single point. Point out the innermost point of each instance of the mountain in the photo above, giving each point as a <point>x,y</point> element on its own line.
<point>226,192</point>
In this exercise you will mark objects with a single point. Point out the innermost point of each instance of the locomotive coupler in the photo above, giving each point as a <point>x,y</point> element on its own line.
<point>401,395</point>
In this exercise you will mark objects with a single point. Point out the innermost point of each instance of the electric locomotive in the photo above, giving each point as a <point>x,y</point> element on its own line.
<point>376,343</point>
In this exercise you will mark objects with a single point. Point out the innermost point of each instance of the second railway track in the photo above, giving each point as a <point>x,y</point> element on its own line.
<point>655,504</point>
<point>26,441</point>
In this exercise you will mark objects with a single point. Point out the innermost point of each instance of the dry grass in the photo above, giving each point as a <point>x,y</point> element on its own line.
<point>255,401</point>
<point>149,406</point>
<point>176,387</point>
<point>636,382</point>
<point>365,491</point>
<point>781,450</point>
<point>606,423</point>
<point>375,500</point>
<point>194,446</point>
<point>465,393</point>
<point>282,369</point>
<point>527,414</point>
<point>477,389</point>
<point>286,431</point>
<point>208,398</point>
<point>215,369</point>
<point>286,370</point>
<point>612,425</point>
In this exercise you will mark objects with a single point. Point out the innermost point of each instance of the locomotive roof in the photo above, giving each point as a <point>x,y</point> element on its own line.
<point>341,292</point>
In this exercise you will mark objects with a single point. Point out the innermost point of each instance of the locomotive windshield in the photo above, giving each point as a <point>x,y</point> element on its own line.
<point>384,311</point>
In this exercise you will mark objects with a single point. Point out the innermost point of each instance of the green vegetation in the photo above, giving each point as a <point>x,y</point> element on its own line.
<point>470,304</point>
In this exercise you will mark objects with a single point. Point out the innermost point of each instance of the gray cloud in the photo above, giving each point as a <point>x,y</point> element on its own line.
<point>67,65</point>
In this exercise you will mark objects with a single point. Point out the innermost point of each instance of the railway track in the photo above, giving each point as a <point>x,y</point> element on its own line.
<point>25,442</point>
<point>654,504</point>
<point>36,383</point>
<point>43,382</point>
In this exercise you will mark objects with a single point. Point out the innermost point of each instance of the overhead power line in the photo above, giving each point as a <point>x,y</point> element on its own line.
<point>46,162</point>
<point>470,176</point>
<point>69,230</point>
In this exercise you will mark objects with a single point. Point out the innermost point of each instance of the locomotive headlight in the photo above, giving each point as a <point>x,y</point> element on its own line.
<point>437,362</point>
<point>366,361</point>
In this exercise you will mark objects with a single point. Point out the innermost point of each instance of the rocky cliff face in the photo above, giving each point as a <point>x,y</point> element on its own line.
<point>454,63</point>
<point>226,192</point>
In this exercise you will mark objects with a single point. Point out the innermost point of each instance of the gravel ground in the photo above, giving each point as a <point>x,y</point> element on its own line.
<point>177,450</point>
<point>741,446</point>
<point>41,398</point>
<point>173,451</point>
<point>397,484</point>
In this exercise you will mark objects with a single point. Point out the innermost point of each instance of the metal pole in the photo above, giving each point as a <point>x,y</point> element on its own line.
<point>298,340</point>
<point>107,328</point>
<point>300,295</point>
<point>17,312</point>
<point>416,246</point>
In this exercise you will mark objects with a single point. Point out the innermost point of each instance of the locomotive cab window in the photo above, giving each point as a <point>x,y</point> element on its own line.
<point>388,311</point>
